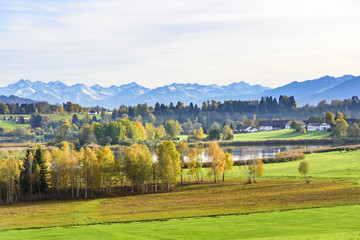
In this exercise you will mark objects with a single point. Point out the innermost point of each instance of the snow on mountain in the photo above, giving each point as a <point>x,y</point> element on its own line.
<point>133,93</point>
<point>127,94</point>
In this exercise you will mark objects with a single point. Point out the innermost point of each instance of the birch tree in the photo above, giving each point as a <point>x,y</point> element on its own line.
<point>217,159</point>
<point>168,164</point>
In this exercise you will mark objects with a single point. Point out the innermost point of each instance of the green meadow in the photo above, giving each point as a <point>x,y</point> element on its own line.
<point>340,166</point>
<point>317,223</point>
<point>280,206</point>
<point>280,134</point>
<point>13,125</point>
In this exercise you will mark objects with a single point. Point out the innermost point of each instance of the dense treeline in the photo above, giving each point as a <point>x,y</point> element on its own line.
<point>122,132</point>
<point>215,111</point>
<point>67,173</point>
<point>40,107</point>
<point>150,125</point>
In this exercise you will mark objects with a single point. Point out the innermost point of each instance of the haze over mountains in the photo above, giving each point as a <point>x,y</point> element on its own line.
<point>311,91</point>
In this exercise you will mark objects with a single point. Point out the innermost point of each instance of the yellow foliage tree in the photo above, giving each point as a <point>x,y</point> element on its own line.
<point>183,149</point>
<point>217,159</point>
<point>229,163</point>
<point>168,164</point>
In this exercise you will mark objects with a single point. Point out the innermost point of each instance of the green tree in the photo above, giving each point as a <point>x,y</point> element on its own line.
<point>103,115</point>
<point>4,108</point>
<point>354,130</point>
<point>86,135</point>
<point>150,132</point>
<point>341,126</point>
<point>295,126</point>
<point>40,162</point>
<point>74,119</point>
<point>152,118</point>
<point>26,174</point>
<point>173,128</point>
<point>160,132</point>
<point>214,134</point>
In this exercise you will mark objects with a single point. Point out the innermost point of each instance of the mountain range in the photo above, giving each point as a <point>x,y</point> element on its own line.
<point>310,91</point>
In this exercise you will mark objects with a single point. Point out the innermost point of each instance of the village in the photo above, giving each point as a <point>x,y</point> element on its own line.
<point>272,125</point>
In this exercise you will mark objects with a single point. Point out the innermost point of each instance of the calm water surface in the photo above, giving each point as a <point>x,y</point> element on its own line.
<point>252,152</point>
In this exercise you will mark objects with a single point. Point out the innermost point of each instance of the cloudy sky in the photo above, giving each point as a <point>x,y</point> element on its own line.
<point>158,42</point>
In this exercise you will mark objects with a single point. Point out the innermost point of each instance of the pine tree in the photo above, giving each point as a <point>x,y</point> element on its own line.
<point>39,160</point>
<point>25,174</point>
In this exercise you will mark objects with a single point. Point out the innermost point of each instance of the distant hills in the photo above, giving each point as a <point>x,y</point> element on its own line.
<point>14,99</point>
<point>310,91</point>
<point>129,94</point>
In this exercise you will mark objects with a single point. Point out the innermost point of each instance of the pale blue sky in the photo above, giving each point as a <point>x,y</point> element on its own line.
<point>158,42</point>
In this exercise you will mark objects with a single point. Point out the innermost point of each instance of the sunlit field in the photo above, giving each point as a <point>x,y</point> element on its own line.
<point>280,134</point>
<point>13,125</point>
<point>340,166</point>
<point>317,223</point>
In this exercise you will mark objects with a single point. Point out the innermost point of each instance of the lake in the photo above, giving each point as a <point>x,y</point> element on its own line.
<point>253,152</point>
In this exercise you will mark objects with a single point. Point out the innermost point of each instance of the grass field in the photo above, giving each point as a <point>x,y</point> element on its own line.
<point>57,117</point>
<point>230,197</point>
<point>280,134</point>
<point>343,166</point>
<point>54,117</point>
<point>333,192</point>
<point>316,223</point>
<point>13,125</point>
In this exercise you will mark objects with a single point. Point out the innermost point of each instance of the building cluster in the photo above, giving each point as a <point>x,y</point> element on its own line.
<point>271,125</point>
<point>285,124</point>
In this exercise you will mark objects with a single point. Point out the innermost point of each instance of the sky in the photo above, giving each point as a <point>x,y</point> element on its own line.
<point>159,42</point>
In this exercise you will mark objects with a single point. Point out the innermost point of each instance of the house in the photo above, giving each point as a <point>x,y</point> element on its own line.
<point>249,130</point>
<point>270,125</point>
<point>351,121</point>
<point>317,127</point>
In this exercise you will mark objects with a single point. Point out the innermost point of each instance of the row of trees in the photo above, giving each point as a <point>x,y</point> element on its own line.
<point>128,132</point>
<point>216,111</point>
<point>65,172</point>
<point>41,107</point>
<point>340,127</point>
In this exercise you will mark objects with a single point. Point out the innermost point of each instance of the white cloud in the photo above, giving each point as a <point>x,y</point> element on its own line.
<point>158,42</point>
